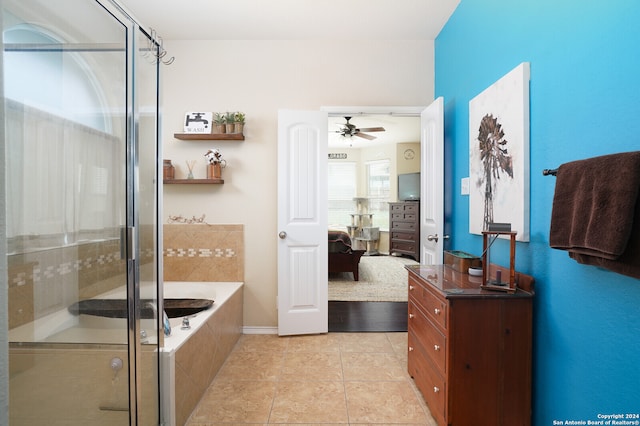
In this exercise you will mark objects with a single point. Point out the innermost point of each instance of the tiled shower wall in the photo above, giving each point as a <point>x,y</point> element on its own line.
<point>203,252</point>
<point>45,280</point>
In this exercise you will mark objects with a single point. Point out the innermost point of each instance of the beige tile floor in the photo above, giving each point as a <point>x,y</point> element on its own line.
<point>335,378</point>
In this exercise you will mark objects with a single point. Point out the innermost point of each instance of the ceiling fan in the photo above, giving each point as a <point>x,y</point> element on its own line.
<point>349,130</point>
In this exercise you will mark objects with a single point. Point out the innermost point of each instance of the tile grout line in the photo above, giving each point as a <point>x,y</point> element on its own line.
<point>344,385</point>
<point>285,352</point>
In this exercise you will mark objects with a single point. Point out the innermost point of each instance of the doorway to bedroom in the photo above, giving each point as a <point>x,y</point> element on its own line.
<point>363,169</point>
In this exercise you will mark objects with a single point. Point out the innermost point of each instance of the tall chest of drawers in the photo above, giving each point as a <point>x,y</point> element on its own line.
<point>404,228</point>
<point>469,350</point>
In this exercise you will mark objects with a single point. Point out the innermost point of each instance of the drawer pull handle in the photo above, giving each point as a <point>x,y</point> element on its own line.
<point>411,315</point>
<point>410,348</point>
<point>436,347</point>
<point>410,287</point>
<point>436,311</point>
<point>436,389</point>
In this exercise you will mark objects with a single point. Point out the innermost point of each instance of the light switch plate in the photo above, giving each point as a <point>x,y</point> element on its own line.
<point>464,186</point>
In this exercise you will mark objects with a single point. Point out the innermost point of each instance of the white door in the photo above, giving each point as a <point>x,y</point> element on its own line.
<point>302,222</point>
<point>432,183</point>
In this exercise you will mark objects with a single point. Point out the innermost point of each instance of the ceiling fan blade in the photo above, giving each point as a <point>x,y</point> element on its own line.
<point>365,136</point>
<point>372,129</point>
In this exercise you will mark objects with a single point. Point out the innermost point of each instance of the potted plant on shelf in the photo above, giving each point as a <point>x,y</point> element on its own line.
<point>239,122</point>
<point>219,121</point>
<point>229,120</point>
<point>215,163</point>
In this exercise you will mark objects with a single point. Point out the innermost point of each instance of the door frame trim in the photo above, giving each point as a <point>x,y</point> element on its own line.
<point>354,111</point>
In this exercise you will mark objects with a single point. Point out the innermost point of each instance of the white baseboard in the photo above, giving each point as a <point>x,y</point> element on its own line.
<point>259,330</point>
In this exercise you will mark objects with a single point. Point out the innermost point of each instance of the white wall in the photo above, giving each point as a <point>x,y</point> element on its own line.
<point>258,78</point>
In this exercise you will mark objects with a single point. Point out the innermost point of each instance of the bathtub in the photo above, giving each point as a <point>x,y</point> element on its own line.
<point>189,358</point>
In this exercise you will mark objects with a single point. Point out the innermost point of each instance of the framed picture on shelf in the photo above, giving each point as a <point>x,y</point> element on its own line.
<point>198,122</point>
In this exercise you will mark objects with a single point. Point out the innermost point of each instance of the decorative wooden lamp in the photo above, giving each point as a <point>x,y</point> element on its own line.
<point>497,281</point>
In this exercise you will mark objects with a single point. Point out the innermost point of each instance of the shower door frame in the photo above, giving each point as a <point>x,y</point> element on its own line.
<point>133,227</point>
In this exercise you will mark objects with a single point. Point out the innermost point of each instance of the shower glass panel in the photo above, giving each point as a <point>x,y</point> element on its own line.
<point>81,215</point>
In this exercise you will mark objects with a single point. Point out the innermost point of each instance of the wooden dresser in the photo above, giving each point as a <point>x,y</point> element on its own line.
<point>404,228</point>
<point>470,349</point>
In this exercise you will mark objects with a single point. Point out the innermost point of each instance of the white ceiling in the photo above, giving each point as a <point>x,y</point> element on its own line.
<point>293,19</point>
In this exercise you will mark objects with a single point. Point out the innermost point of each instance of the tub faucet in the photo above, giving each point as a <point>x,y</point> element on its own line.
<point>165,318</point>
<point>185,324</point>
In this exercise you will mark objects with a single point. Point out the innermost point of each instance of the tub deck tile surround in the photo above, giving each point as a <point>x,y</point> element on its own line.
<point>203,252</point>
<point>206,253</point>
<point>200,358</point>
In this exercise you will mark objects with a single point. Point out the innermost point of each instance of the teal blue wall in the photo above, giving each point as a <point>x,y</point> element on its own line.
<point>585,102</point>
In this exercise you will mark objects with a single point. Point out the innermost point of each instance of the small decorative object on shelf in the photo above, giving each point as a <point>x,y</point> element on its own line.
<point>229,121</point>
<point>168,170</point>
<point>492,278</point>
<point>198,122</point>
<point>190,164</point>
<point>188,221</point>
<point>238,126</point>
<point>216,163</point>
<point>219,123</point>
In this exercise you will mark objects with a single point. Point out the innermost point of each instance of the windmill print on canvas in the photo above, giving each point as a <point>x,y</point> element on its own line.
<point>499,154</point>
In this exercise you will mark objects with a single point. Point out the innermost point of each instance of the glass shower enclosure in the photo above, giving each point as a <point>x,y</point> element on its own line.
<point>80,216</point>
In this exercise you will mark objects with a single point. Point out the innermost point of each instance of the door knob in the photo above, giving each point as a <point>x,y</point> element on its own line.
<point>282,235</point>
<point>432,238</point>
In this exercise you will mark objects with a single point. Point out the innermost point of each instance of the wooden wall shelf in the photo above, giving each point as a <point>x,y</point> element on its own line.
<point>192,181</point>
<point>209,136</point>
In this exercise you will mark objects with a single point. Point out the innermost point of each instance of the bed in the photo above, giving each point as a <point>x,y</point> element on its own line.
<point>342,256</point>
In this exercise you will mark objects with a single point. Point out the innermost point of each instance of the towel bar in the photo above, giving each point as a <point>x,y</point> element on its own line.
<point>549,172</point>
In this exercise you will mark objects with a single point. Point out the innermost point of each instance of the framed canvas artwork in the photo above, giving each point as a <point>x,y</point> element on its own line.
<point>499,154</point>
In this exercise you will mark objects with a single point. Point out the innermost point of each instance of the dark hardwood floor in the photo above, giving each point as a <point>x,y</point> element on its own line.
<point>367,316</point>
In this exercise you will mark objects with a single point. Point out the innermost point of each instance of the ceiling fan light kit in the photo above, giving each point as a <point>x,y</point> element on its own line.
<point>349,130</point>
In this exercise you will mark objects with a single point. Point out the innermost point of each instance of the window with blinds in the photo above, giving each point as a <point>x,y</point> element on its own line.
<point>342,184</point>
<point>378,188</point>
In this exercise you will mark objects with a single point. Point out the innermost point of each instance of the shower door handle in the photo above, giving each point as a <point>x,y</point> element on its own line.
<point>127,243</point>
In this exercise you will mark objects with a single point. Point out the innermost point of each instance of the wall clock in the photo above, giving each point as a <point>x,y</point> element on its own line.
<point>409,154</point>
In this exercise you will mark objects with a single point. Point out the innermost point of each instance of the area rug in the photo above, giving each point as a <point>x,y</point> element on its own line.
<point>382,279</point>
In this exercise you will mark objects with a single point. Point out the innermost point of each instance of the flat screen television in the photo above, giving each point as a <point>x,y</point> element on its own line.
<point>409,186</point>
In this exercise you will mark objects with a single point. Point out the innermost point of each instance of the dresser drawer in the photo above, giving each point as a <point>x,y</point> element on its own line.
<point>433,341</point>
<point>399,207</point>
<point>403,226</point>
<point>431,384</point>
<point>412,207</point>
<point>406,217</point>
<point>406,236</point>
<point>403,246</point>
<point>435,308</point>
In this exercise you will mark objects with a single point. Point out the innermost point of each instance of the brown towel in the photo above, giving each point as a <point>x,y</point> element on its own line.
<point>628,263</point>
<point>594,205</point>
